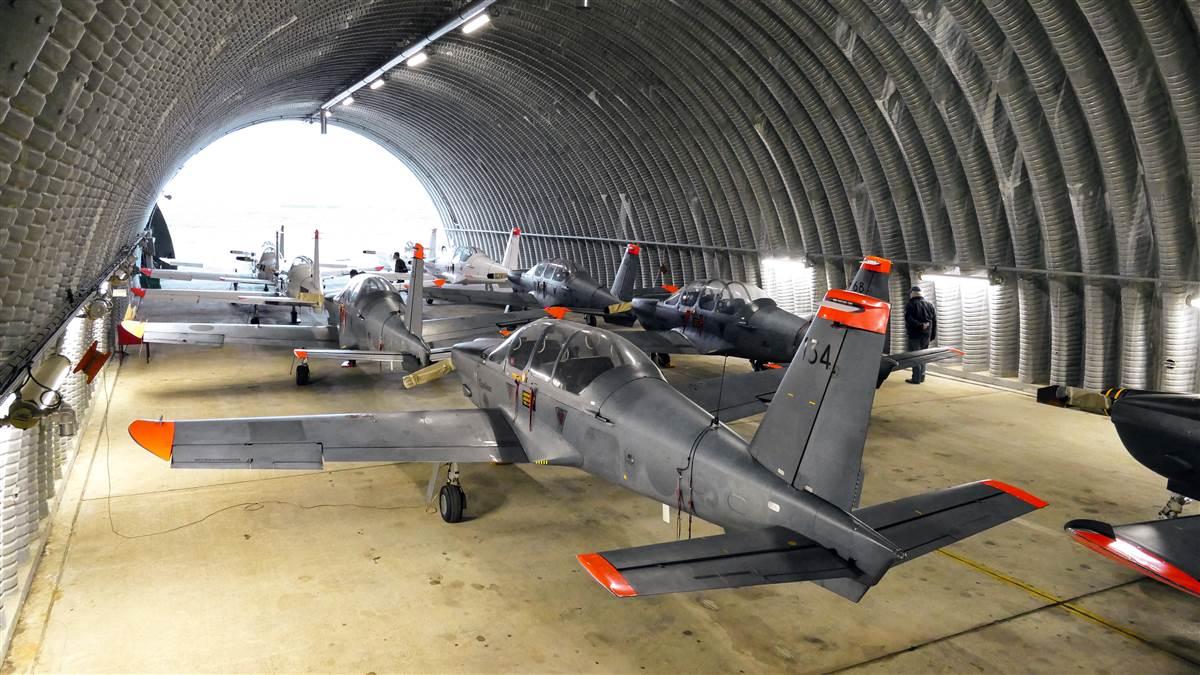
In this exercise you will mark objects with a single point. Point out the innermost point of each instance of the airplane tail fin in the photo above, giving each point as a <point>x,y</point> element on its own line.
<point>813,433</point>
<point>872,278</point>
<point>512,251</point>
<point>416,288</point>
<point>627,273</point>
<point>433,249</point>
<point>279,248</point>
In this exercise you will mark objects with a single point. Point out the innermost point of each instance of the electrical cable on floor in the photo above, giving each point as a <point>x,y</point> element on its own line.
<point>245,506</point>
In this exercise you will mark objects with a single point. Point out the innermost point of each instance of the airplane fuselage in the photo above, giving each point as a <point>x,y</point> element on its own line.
<point>631,428</point>
<point>559,283</point>
<point>1162,432</point>
<point>757,330</point>
<point>369,315</point>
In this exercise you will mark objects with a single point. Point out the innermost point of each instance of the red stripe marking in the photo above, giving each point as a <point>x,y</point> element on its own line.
<point>140,292</point>
<point>147,271</point>
<point>872,314</point>
<point>634,249</point>
<point>1017,492</point>
<point>1138,559</point>
<point>884,265</point>
<point>606,575</point>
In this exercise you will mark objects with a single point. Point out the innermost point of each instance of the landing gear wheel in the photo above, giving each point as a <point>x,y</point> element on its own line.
<point>591,320</point>
<point>452,501</point>
<point>429,301</point>
<point>302,374</point>
<point>661,360</point>
<point>254,321</point>
<point>758,365</point>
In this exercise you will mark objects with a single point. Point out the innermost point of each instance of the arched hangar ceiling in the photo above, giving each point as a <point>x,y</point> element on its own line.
<point>1058,137</point>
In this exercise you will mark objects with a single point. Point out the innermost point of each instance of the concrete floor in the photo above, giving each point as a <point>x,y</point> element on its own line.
<point>153,570</point>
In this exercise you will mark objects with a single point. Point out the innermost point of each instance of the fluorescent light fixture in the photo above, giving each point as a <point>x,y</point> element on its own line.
<point>960,279</point>
<point>349,100</point>
<point>417,59</point>
<point>1194,301</point>
<point>377,83</point>
<point>479,21</point>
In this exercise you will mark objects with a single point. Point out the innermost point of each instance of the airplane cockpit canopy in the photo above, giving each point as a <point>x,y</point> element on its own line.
<point>464,253</point>
<point>559,269</point>
<point>715,294</point>
<point>363,285</point>
<point>571,356</point>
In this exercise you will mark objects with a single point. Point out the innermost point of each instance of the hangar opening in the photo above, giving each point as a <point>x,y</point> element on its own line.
<point>246,185</point>
<point>789,314</point>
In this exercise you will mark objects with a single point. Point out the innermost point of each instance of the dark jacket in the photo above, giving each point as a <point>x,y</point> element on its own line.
<point>400,266</point>
<point>920,318</point>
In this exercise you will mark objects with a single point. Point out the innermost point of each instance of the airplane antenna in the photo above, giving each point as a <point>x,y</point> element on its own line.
<point>716,420</point>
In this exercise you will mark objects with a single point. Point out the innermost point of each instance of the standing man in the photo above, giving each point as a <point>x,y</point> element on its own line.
<point>398,262</point>
<point>920,323</point>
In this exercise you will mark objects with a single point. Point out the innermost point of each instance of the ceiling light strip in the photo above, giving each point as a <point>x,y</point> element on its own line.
<point>471,11</point>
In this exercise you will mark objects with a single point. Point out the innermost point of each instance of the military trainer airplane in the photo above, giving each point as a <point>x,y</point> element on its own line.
<point>562,285</point>
<point>565,394</point>
<point>470,265</point>
<point>1159,430</point>
<point>373,323</point>
<point>302,288</point>
<point>734,318</point>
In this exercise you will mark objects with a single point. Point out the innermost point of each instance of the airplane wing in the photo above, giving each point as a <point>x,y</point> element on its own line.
<point>1164,550</point>
<point>660,341</point>
<point>746,394</point>
<point>349,354</point>
<point>917,525</point>
<point>218,334</point>
<point>476,296</point>
<point>308,441</point>
<point>451,331</point>
<point>197,275</point>
<point>234,297</point>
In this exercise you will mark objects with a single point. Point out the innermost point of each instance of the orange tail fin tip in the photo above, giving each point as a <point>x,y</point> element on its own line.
<point>670,288</point>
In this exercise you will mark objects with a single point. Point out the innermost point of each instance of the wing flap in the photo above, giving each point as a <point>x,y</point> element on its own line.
<point>307,442</point>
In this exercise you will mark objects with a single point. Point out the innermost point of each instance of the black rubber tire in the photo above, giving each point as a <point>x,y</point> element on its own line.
<point>452,501</point>
<point>254,321</point>
<point>661,360</point>
<point>758,365</point>
<point>302,374</point>
<point>429,301</point>
<point>591,320</point>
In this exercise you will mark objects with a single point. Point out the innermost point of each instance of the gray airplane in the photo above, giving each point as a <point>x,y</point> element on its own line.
<point>562,286</point>
<point>373,323</point>
<point>564,394</point>
<point>734,318</point>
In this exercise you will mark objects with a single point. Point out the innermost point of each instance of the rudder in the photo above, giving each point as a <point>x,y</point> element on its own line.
<point>627,273</point>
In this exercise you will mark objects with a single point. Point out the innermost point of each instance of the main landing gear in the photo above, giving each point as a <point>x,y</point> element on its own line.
<point>1173,507</point>
<point>295,317</point>
<point>302,374</point>
<point>591,320</point>
<point>452,501</point>
<point>661,360</point>
<point>758,365</point>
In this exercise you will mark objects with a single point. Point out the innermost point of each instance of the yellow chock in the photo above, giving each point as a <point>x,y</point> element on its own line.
<point>429,373</point>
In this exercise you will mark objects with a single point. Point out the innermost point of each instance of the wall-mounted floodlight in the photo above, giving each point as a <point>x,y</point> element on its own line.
<point>476,23</point>
<point>377,83</point>
<point>348,101</point>
<point>964,280</point>
<point>416,59</point>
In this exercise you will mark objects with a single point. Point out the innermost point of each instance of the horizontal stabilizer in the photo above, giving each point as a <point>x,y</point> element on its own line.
<point>307,442</point>
<point>916,525</point>
<point>1164,550</point>
<point>903,361</point>
<point>770,556</point>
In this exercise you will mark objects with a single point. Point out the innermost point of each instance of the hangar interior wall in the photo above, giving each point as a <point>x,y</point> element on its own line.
<point>1055,143</point>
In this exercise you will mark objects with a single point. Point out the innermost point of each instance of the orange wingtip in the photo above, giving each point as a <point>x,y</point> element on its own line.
<point>157,437</point>
<point>1017,492</point>
<point>126,336</point>
<point>773,366</point>
<point>300,353</point>
<point>557,312</point>
<point>634,249</point>
<point>379,268</point>
<point>140,292</point>
<point>439,282</point>
<point>505,332</point>
<point>881,265</point>
<point>1136,558</point>
<point>147,271</point>
<point>606,575</point>
<point>670,288</point>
